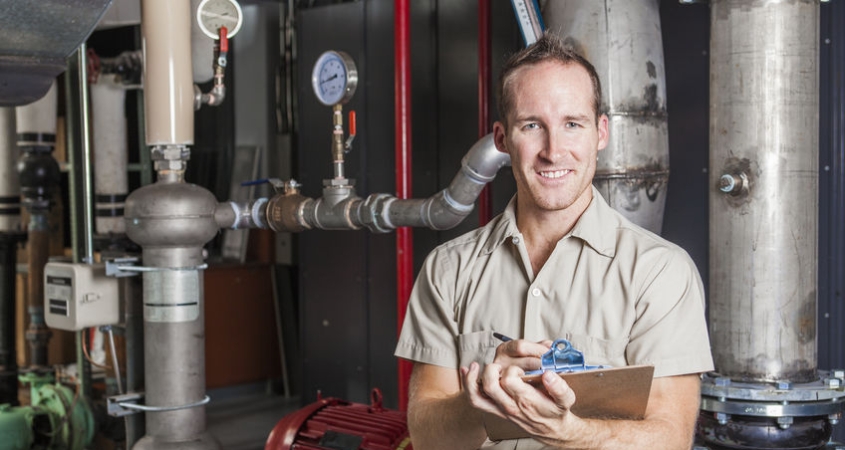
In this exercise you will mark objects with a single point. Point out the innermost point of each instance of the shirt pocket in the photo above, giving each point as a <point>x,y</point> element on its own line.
<point>606,352</point>
<point>479,346</point>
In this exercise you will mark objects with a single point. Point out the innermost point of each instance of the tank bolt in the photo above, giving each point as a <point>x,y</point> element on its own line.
<point>839,373</point>
<point>722,381</point>
<point>784,385</point>
<point>733,184</point>
<point>834,419</point>
<point>784,422</point>
<point>832,383</point>
<point>723,418</point>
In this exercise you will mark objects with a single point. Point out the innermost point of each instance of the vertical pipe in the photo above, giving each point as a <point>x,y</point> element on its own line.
<point>404,235</point>
<point>168,72</point>
<point>764,122</point>
<point>485,207</point>
<point>10,235</point>
<point>622,40</point>
<point>39,177</point>
<point>110,154</point>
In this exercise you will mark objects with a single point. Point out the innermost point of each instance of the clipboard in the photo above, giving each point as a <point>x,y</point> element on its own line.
<point>612,393</point>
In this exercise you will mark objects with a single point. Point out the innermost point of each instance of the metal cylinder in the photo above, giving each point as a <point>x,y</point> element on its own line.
<point>764,118</point>
<point>622,39</point>
<point>10,188</point>
<point>168,78</point>
<point>110,154</point>
<point>171,221</point>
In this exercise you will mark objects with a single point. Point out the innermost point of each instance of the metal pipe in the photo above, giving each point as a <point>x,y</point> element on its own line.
<point>764,109</point>
<point>379,213</point>
<point>171,220</point>
<point>485,206</point>
<point>404,236</point>
<point>10,189</point>
<point>623,41</point>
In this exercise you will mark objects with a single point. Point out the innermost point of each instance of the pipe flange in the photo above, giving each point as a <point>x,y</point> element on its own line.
<point>828,386</point>
<point>373,213</point>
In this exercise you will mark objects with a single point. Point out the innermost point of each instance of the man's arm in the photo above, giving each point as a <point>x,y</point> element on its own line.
<point>440,415</point>
<point>668,423</point>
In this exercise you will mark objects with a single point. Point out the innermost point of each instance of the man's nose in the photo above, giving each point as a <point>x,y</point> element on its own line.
<point>555,147</point>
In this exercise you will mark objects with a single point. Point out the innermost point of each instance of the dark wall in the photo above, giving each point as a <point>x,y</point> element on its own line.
<point>348,286</point>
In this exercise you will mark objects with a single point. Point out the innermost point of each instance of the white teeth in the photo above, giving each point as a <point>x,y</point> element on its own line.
<point>554,173</point>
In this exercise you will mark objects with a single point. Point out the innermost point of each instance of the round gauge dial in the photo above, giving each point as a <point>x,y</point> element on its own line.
<point>334,78</point>
<point>215,14</point>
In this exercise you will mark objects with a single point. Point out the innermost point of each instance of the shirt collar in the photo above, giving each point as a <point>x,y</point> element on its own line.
<point>597,226</point>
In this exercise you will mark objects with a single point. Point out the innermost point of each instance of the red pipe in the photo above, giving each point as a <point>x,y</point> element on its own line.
<point>485,202</point>
<point>404,235</point>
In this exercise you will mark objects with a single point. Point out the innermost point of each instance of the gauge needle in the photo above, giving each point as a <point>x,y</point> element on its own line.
<point>329,79</point>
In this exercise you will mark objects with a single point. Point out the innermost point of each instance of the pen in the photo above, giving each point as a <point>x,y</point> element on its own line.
<point>501,337</point>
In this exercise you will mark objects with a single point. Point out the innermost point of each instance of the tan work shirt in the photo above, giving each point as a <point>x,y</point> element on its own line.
<point>618,293</point>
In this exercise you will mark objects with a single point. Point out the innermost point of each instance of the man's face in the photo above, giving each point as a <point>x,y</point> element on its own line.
<point>552,136</point>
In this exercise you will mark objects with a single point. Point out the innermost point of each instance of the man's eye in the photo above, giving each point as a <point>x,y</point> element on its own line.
<point>531,126</point>
<point>572,125</point>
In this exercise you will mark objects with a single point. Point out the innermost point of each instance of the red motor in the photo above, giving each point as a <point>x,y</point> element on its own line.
<point>337,424</point>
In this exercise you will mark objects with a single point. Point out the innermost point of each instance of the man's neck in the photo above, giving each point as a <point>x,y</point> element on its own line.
<point>542,230</point>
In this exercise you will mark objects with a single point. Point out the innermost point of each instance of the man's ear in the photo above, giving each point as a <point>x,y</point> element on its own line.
<point>499,136</point>
<point>604,132</point>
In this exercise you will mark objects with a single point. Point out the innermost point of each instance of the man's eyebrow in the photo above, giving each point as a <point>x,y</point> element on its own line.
<point>576,118</point>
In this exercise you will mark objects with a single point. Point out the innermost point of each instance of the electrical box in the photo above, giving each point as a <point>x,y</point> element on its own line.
<point>78,296</point>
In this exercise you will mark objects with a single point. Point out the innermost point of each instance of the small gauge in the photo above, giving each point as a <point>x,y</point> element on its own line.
<point>334,78</point>
<point>215,14</point>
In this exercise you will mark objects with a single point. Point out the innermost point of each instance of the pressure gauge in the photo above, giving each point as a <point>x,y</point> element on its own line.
<point>334,78</point>
<point>215,14</point>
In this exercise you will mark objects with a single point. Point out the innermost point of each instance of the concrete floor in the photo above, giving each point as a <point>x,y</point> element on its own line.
<point>241,418</point>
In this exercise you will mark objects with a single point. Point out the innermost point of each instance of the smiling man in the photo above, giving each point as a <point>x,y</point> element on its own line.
<point>557,263</point>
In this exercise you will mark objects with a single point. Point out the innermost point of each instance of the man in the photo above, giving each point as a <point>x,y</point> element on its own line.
<point>558,263</point>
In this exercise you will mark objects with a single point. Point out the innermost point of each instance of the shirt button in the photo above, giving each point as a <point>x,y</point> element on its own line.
<point>535,292</point>
<point>515,239</point>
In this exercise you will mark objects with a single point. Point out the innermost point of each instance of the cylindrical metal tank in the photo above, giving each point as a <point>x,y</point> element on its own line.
<point>622,39</point>
<point>764,121</point>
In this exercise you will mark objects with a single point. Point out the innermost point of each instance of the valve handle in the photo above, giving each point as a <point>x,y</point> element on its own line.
<point>353,125</point>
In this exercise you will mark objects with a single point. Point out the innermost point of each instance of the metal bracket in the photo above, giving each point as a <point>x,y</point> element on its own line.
<point>563,357</point>
<point>125,267</point>
<point>127,404</point>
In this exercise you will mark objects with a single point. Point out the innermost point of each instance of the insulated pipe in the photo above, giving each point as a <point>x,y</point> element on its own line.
<point>379,213</point>
<point>39,178</point>
<point>622,40</point>
<point>764,121</point>
<point>10,235</point>
<point>485,202</point>
<point>168,75</point>
<point>404,236</point>
<point>10,189</point>
<point>110,153</point>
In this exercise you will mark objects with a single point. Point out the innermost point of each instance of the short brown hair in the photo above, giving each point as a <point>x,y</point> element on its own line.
<point>548,48</point>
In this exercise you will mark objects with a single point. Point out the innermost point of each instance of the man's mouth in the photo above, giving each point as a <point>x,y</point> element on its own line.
<point>552,174</point>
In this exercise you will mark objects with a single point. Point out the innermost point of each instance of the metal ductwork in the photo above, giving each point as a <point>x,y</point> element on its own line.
<point>35,40</point>
<point>622,39</point>
<point>766,391</point>
<point>341,209</point>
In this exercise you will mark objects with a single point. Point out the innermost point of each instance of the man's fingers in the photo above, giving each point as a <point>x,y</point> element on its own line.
<point>559,391</point>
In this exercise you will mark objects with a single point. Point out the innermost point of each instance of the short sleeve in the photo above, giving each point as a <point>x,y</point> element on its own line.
<point>671,329</point>
<point>429,329</point>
